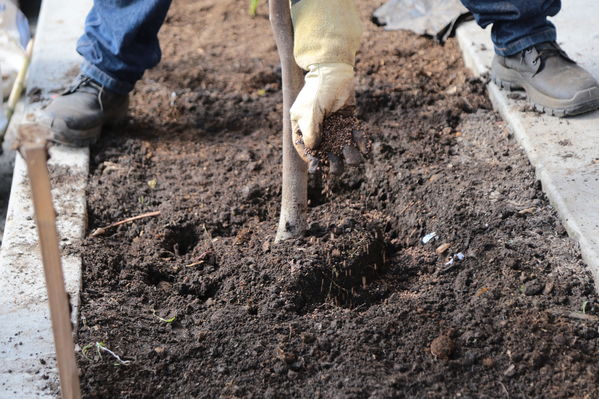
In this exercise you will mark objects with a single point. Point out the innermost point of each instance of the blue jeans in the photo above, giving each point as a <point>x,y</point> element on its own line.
<point>121,41</point>
<point>517,24</point>
<point>121,36</point>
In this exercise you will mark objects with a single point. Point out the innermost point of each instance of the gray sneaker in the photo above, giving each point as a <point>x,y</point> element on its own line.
<point>76,117</point>
<point>553,82</point>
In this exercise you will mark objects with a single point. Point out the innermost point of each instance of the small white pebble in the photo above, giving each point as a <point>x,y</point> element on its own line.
<point>427,238</point>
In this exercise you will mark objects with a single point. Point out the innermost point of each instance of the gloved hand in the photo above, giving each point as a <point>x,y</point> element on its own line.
<point>327,37</point>
<point>328,88</point>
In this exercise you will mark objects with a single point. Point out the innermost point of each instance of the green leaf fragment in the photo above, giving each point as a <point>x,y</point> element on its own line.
<point>167,320</point>
<point>253,7</point>
<point>163,319</point>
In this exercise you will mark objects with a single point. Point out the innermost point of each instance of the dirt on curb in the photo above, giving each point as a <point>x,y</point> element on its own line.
<point>200,303</point>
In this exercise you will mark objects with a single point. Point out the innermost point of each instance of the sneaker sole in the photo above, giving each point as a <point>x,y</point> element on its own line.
<point>584,101</point>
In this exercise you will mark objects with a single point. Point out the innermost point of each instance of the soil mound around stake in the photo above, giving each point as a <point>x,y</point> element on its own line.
<point>336,265</point>
<point>198,301</point>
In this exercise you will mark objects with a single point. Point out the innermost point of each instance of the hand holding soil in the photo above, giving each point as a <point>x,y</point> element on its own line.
<point>344,138</point>
<point>323,122</point>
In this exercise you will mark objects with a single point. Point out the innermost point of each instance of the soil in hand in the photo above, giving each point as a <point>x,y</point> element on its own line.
<point>201,303</point>
<point>338,131</point>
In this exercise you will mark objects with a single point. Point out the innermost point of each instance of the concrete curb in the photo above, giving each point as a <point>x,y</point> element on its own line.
<point>564,152</point>
<point>27,360</point>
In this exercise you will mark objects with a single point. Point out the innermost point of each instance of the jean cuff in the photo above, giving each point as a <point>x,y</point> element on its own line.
<point>105,80</point>
<point>547,35</point>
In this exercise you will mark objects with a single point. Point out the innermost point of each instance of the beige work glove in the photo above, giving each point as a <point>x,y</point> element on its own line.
<point>328,87</point>
<point>327,36</point>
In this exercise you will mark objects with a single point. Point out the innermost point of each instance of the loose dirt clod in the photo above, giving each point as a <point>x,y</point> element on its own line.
<point>443,347</point>
<point>441,249</point>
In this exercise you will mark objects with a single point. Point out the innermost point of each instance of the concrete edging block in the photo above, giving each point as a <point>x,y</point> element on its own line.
<point>27,354</point>
<point>564,152</point>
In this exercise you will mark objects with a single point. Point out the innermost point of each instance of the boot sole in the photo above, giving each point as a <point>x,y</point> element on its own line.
<point>84,138</point>
<point>584,101</point>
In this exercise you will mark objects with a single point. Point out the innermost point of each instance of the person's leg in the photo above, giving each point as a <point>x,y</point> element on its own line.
<point>528,57</point>
<point>517,24</point>
<point>121,41</point>
<point>119,44</point>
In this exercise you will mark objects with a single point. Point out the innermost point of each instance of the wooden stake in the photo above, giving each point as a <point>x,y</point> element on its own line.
<point>35,154</point>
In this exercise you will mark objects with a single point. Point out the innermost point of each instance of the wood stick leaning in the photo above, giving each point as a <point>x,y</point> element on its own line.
<point>35,154</point>
<point>102,230</point>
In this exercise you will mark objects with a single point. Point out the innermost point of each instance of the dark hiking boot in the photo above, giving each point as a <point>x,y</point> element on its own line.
<point>553,82</point>
<point>76,117</point>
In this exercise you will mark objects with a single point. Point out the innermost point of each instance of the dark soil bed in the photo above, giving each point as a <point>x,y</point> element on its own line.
<point>202,304</point>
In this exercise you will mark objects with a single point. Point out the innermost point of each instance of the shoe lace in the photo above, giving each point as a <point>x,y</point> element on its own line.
<point>87,85</point>
<point>545,51</point>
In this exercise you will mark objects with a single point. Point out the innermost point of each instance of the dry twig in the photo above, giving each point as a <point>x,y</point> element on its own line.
<point>574,315</point>
<point>102,230</point>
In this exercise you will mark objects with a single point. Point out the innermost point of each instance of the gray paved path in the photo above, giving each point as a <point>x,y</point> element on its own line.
<point>564,152</point>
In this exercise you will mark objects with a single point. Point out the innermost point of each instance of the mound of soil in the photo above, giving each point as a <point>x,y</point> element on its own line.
<point>201,303</point>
